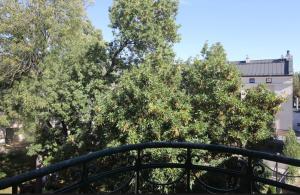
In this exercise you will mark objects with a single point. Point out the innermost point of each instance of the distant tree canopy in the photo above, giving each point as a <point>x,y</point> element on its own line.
<point>296,84</point>
<point>292,149</point>
<point>143,28</point>
<point>74,92</point>
<point>30,30</point>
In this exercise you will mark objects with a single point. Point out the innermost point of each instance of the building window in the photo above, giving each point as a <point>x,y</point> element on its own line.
<point>251,80</point>
<point>268,80</point>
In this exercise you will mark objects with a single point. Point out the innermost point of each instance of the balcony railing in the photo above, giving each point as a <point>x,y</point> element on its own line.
<point>178,166</point>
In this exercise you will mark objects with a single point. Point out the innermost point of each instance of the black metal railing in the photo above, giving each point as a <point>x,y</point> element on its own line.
<point>158,167</point>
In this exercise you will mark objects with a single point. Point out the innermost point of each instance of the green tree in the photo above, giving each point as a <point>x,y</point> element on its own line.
<point>63,103</point>
<point>31,29</point>
<point>56,103</point>
<point>292,149</point>
<point>296,84</point>
<point>141,28</point>
<point>163,101</point>
<point>214,86</point>
<point>261,106</point>
<point>291,146</point>
<point>148,105</point>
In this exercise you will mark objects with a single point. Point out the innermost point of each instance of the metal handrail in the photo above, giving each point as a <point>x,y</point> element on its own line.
<point>251,154</point>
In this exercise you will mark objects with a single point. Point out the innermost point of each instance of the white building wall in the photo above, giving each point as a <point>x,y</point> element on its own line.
<point>281,85</point>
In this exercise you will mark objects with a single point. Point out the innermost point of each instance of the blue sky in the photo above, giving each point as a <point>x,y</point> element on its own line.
<point>260,29</point>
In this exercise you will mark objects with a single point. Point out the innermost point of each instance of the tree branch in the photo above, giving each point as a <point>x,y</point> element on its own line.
<point>115,55</point>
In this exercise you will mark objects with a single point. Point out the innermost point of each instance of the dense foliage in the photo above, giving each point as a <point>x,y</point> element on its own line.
<point>296,85</point>
<point>214,87</point>
<point>56,103</point>
<point>73,92</point>
<point>292,149</point>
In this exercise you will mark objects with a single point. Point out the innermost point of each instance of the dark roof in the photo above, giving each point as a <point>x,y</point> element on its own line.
<point>269,67</point>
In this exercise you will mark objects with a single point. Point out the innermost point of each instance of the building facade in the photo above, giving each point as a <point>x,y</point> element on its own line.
<point>277,74</point>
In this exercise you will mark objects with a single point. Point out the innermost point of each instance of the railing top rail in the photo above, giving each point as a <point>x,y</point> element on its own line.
<point>110,151</point>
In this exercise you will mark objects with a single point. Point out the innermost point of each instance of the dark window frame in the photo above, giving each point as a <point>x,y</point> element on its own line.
<point>251,80</point>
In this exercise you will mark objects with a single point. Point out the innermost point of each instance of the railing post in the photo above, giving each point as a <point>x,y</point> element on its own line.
<point>188,165</point>
<point>137,172</point>
<point>276,174</point>
<point>38,180</point>
<point>38,185</point>
<point>250,175</point>
<point>276,166</point>
<point>84,176</point>
<point>14,189</point>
